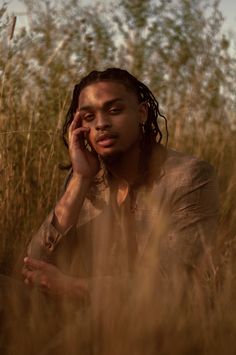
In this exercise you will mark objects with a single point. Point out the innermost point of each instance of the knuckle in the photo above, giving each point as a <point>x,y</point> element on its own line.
<point>26,274</point>
<point>44,280</point>
<point>30,277</point>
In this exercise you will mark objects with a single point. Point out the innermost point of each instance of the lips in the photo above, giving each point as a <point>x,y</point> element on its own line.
<point>106,139</point>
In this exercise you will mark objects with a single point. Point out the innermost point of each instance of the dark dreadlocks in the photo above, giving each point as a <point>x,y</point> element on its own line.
<point>151,133</point>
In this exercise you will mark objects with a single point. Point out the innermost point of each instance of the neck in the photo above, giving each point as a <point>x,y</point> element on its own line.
<point>126,167</point>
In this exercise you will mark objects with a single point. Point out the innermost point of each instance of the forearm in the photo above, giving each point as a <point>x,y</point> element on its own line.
<point>96,289</point>
<point>61,222</point>
<point>67,210</point>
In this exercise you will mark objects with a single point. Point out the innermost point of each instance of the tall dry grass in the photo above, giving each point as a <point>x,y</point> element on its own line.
<point>30,185</point>
<point>31,116</point>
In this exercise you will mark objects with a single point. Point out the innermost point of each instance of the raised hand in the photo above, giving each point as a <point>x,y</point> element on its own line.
<point>85,162</point>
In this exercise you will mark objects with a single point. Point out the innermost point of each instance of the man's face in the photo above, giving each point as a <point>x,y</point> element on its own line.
<point>113,113</point>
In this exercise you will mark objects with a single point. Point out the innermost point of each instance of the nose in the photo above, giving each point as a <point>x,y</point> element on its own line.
<point>102,122</point>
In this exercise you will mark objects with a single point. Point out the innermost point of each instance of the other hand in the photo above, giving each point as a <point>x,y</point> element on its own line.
<point>46,276</point>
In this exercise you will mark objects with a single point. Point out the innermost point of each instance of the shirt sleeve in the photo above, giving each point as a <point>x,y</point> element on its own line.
<point>51,246</point>
<point>46,240</point>
<point>48,244</point>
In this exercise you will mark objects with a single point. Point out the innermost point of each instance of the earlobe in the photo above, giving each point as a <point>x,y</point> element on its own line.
<point>143,109</point>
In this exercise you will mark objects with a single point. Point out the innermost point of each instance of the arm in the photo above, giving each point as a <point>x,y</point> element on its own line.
<point>50,280</point>
<point>62,221</point>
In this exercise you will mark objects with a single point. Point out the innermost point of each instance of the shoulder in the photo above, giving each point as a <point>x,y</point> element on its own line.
<point>181,169</point>
<point>183,177</point>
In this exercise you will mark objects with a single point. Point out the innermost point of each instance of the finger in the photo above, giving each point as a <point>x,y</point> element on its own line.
<point>32,263</point>
<point>42,285</point>
<point>79,136</point>
<point>24,271</point>
<point>31,277</point>
<point>36,278</point>
<point>77,122</point>
<point>26,281</point>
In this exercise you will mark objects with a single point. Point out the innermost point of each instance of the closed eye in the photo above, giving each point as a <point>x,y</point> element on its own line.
<point>115,110</point>
<point>88,117</point>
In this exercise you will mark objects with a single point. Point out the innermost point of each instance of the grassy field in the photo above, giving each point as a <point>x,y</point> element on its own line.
<point>34,95</point>
<point>31,177</point>
<point>30,185</point>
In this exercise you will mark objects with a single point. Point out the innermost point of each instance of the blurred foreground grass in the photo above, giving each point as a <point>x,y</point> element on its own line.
<point>194,81</point>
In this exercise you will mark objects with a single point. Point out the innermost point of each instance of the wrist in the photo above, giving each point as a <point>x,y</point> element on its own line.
<point>81,179</point>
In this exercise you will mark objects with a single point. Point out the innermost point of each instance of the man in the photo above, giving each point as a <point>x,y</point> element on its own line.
<point>131,210</point>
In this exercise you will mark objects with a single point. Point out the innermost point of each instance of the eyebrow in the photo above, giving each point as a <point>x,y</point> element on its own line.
<point>105,105</point>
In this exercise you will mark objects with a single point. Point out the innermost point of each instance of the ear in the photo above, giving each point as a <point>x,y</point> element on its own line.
<point>143,112</point>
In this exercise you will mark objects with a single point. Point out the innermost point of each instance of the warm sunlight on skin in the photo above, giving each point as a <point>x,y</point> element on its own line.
<point>113,241</point>
<point>113,114</point>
